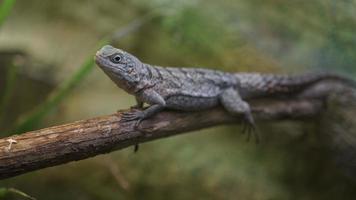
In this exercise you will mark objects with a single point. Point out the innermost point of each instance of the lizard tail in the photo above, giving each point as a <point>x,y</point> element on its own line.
<point>268,84</point>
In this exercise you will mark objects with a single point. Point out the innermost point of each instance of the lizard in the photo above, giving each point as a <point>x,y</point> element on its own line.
<point>194,89</point>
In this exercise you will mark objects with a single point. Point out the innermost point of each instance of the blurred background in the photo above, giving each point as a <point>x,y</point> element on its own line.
<point>48,77</point>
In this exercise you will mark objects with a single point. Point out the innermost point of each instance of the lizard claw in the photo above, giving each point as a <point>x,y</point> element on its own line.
<point>131,116</point>
<point>249,127</point>
<point>136,115</point>
<point>136,147</point>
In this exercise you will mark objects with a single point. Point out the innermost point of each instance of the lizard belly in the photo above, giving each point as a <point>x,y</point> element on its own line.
<point>191,103</point>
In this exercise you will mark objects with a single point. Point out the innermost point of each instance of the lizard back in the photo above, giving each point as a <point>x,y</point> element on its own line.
<point>194,82</point>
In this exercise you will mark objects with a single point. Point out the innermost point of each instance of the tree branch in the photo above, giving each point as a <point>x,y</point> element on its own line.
<point>83,139</point>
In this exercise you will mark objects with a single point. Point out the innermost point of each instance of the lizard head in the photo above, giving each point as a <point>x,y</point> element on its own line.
<point>123,68</point>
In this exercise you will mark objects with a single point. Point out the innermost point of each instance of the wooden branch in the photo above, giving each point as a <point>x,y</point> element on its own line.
<point>83,139</point>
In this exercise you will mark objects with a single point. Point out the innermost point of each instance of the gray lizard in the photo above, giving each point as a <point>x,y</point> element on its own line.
<point>193,89</point>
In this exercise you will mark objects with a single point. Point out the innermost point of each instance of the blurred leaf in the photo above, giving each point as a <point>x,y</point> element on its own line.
<point>2,193</point>
<point>34,118</point>
<point>196,30</point>
<point>5,9</point>
<point>9,89</point>
<point>6,191</point>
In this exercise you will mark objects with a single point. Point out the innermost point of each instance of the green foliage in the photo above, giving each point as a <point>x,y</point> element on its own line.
<point>195,30</point>
<point>9,89</point>
<point>5,9</point>
<point>4,192</point>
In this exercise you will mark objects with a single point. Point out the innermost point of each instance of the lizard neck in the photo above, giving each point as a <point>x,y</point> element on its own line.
<point>131,83</point>
<point>150,75</point>
<point>122,82</point>
<point>146,80</point>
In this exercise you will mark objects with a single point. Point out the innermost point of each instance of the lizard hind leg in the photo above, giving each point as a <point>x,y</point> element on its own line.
<point>232,102</point>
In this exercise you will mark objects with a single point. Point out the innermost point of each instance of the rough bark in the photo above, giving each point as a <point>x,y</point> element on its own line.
<point>83,139</point>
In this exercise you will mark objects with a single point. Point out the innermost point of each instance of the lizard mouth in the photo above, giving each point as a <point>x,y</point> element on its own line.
<point>99,60</point>
<point>106,65</point>
<point>103,62</point>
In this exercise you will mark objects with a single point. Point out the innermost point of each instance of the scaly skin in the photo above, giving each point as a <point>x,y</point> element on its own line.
<point>193,89</point>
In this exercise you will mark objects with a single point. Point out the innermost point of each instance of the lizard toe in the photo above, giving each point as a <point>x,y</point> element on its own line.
<point>131,116</point>
<point>249,127</point>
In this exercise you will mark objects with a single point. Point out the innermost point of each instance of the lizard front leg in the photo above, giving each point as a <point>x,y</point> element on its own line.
<point>151,97</point>
<point>232,102</point>
<point>139,104</point>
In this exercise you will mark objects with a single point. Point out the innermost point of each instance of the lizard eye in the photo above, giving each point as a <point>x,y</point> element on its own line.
<point>116,58</point>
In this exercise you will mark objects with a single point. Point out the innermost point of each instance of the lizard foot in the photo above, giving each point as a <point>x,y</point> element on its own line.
<point>136,147</point>
<point>131,116</point>
<point>134,115</point>
<point>249,127</point>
